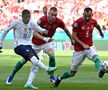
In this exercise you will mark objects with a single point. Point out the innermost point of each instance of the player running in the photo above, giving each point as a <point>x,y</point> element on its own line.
<point>22,29</point>
<point>83,47</point>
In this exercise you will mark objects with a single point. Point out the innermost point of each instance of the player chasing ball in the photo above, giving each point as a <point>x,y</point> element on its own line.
<point>83,47</point>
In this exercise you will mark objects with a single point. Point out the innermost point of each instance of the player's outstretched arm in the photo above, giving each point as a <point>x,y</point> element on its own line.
<point>69,35</point>
<point>37,35</point>
<point>100,31</point>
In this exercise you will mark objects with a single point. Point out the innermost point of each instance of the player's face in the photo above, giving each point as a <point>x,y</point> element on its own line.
<point>26,18</point>
<point>52,15</point>
<point>87,16</point>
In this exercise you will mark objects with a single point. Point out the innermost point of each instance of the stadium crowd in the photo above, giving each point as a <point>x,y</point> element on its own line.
<point>69,10</point>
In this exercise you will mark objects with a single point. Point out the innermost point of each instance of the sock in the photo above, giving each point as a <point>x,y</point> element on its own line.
<point>32,75</point>
<point>66,74</point>
<point>38,63</point>
<point>97,62</point>
<point>18,66</point>
<point>51,60</point>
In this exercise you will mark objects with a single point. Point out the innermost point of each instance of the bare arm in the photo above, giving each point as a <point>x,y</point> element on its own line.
<point>69,35</point>
<point>74,36</point>
<point>100,31</point>
<point>37,35</point>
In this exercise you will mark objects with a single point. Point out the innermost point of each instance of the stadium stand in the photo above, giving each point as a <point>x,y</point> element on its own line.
<point>69,10</point>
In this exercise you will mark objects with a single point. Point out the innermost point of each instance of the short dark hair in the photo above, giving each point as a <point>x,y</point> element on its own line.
<point>53,8</point>
<point>87,9</point>
<point>25,11</point>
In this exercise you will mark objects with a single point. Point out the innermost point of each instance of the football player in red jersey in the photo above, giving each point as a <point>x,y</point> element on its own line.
<point>50,22</point>
<point>83,47</point>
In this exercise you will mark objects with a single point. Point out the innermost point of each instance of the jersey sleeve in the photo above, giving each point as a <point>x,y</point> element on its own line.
<point>61,24</point>
<point>75,26</point>
<point>95,23</point>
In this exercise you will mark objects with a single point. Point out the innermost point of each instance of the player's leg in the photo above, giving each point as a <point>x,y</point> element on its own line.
<point>97,62</point>
<point>36,62</point>
<point>52,64</point>
<point>49,49</point>
<point>21,50</point>
<point>32,75</point>
<point>17,67</point>
<point>29,54</point>
<point>92,54</point>
<point>98,66</point>
<point>34,69</point>
<point>78,58</point>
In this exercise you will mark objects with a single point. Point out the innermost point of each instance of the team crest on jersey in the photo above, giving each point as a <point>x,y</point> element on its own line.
<point>29,29</point>
<point>83,27</point>
<point>39,21</point>
<point>75,25</point>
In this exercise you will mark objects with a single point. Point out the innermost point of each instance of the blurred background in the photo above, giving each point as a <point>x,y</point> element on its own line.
<point>69,11</point>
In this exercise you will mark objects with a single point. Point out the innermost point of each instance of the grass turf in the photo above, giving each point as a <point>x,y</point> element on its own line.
<point>85,79</point>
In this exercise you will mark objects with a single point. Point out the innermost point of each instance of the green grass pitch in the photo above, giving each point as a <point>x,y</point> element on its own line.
<point>85,79</point>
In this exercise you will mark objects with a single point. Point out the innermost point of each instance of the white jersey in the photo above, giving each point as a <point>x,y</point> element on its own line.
<point>22,32</point>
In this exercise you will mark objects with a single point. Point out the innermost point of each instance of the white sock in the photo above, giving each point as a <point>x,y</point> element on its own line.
<point>32,75</point>
<point>38,63</point>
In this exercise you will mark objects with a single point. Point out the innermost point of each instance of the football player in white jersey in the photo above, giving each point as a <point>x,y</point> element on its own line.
<point>22,29</point>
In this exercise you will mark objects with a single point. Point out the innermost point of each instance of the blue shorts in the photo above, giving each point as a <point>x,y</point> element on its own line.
<point>25,50</point>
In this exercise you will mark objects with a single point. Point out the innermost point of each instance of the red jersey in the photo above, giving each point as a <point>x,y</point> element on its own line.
<point>84,32</point>
<point>50,27</point>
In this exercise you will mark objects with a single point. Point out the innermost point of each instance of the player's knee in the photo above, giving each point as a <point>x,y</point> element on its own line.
<point>73,72</point>
<point>51,56</point>
<point>95,56</point>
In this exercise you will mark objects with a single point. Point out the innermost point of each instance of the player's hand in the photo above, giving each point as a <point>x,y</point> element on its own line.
<point>47,39</point>
<point>102,35</point>
<point>86,47</point>
<point>0,49</point>
<point>45,31</point>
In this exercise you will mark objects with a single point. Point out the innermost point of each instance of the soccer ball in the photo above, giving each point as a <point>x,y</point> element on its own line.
<point>105,66</point>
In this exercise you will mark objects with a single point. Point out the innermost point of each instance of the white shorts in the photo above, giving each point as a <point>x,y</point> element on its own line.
<point>45,47</point>
<point>79,57</point>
